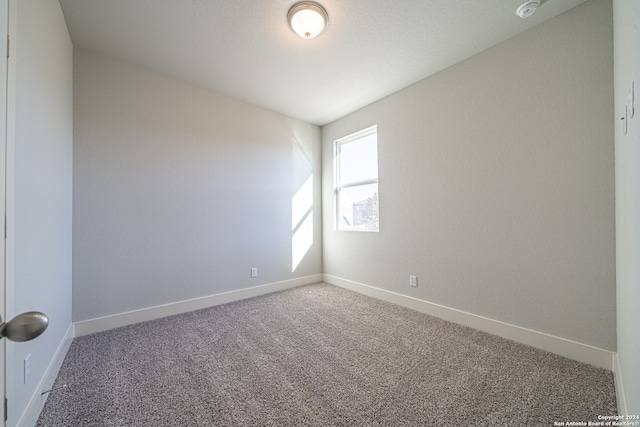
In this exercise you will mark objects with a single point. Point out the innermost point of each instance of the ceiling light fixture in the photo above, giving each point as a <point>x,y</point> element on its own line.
<point>527,8</point>
<point>308,19</point>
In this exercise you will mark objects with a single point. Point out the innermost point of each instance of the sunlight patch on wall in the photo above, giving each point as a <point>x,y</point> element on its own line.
<point>301,203</point>
<point>301,222</point>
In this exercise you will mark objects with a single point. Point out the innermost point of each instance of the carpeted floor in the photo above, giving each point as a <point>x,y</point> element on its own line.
<point>317,355</point>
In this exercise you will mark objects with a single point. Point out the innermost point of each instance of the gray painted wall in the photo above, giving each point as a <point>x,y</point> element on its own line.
<point>497,184</point>
<point>179,191</point>
<point>627,59</point>
<point>43,189</point>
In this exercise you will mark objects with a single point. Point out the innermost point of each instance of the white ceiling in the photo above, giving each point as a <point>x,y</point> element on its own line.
<point>245,49</point>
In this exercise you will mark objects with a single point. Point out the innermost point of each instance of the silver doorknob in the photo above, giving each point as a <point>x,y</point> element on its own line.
<point>24,327</point>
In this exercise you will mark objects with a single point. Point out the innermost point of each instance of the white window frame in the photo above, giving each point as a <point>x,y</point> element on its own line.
<point>342,185</point>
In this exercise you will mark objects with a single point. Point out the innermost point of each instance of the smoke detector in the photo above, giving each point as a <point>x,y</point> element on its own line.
<point>527,8</point>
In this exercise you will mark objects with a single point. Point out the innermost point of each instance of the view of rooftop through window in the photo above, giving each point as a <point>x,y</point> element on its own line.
<point>357,181</point>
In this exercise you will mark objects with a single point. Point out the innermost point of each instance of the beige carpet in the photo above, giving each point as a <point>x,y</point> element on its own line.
<point>317,356</point>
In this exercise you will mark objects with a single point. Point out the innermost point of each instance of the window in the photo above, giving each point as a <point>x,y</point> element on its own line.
<point>357,181</point>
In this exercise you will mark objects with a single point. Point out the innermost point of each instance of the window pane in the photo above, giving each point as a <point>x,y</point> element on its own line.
<point>358,208</point>
<point>359,159</point>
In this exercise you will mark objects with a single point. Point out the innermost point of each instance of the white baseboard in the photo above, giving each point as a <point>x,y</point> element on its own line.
<point>617,375</point>
<point>577,351</point>
<point>100,324</point>
<point>573,350</point>
<point>32,412</point>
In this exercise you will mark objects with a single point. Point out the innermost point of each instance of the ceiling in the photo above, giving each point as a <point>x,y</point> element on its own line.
<point>245,48</point>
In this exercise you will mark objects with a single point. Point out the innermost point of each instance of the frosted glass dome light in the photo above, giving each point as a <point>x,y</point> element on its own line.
<point>308,19</point>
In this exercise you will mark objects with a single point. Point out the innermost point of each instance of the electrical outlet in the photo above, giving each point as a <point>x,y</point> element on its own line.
<point>254,272</point>
<point>413,281</point>
<point>27,368</point>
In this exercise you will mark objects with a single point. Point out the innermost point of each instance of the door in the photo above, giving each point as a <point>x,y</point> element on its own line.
<point>4,32</point>
<point>25,326</point>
